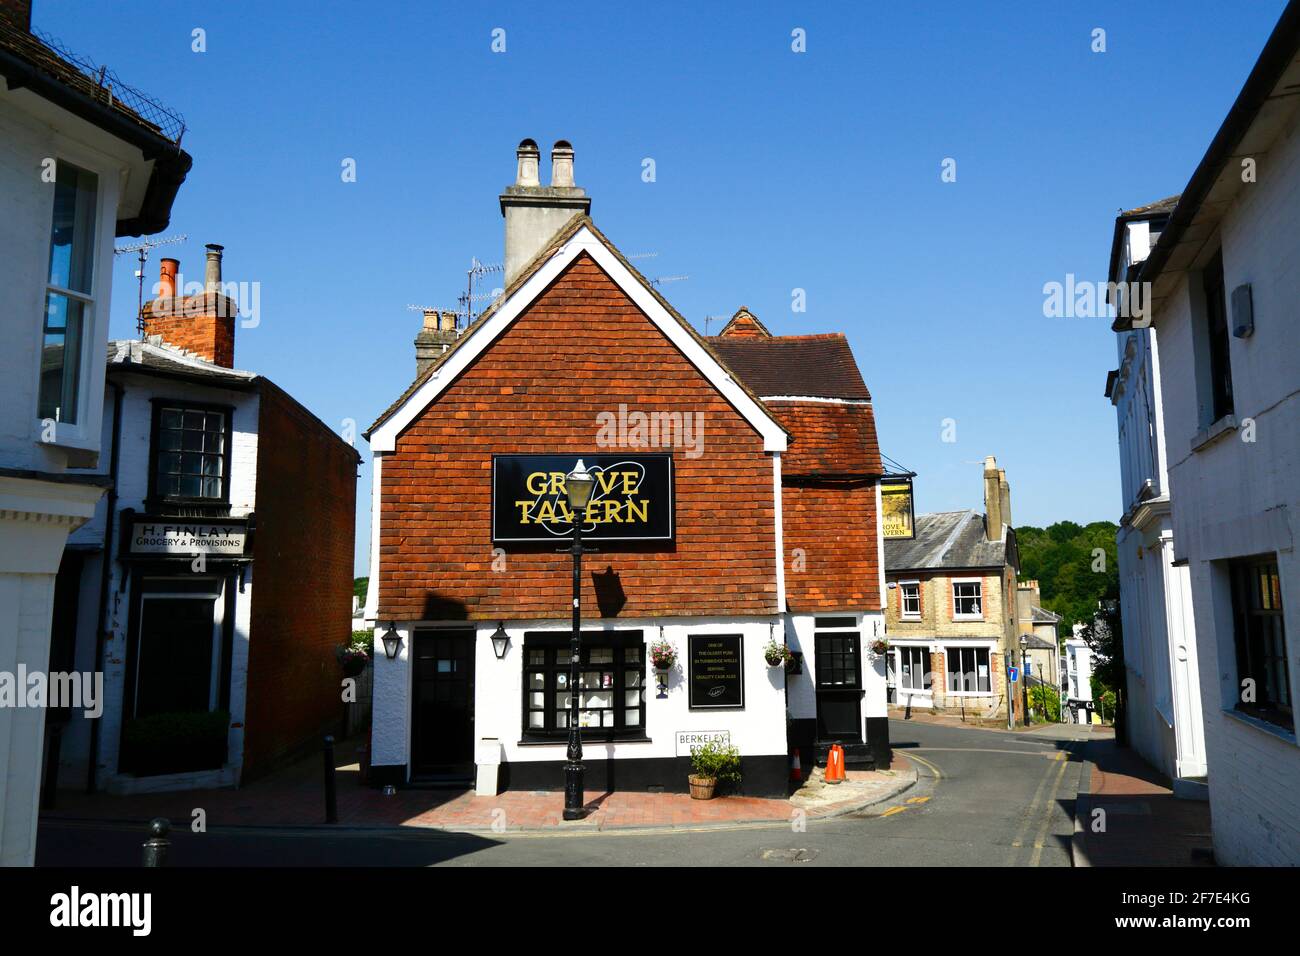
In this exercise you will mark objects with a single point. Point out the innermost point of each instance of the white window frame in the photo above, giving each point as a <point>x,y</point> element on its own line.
<point>903,613</point>
<point>975,648</point>
<point>910,650</point>
<point>84,434</point>
<point>957,615</point>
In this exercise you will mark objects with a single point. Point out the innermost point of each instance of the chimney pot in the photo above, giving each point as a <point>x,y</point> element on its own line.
<point>528,156</point>
<point>167,278</point>
<point>447,322</point>
<point>212,269</point>
<point>431,319</point>
<point>562,163</point>
<point>993,518</point>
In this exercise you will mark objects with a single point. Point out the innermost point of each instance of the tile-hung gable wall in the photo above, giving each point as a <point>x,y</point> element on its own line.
<point>580,349</point>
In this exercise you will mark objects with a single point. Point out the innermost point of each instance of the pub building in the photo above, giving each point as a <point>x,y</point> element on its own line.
<point>214,582</point>
<point>735,504</point>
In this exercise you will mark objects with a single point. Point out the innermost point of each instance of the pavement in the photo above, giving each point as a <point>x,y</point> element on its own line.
<point>1128,815</point>
<point>294,797</point>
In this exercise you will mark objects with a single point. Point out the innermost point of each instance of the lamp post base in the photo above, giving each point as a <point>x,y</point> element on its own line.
<point>573,774</point>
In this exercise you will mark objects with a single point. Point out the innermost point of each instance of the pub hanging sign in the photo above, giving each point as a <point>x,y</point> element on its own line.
<point>897,513</point>
<point>632,499</point>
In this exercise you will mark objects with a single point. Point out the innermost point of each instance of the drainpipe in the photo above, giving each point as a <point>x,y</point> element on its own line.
<point>110,522</point>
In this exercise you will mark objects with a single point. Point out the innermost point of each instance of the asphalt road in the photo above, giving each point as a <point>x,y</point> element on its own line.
<point>984,798</point>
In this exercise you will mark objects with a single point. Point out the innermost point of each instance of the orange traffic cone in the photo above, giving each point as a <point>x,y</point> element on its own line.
<point>796,768</point>
<point>835,764</point>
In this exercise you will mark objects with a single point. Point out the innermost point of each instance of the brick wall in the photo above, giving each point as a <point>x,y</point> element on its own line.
<point>581,348</point>
<point>302,595</point>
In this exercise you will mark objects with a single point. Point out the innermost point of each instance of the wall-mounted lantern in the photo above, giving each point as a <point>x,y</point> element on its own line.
<point>392,641</point>
<point>500,641</point>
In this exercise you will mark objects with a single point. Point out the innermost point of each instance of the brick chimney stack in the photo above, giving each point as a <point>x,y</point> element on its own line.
<point>18,13</point>
<point>437,335</point>
<point>202,324</point>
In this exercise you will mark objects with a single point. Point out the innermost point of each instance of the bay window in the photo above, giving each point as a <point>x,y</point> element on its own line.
<point>69,301</point>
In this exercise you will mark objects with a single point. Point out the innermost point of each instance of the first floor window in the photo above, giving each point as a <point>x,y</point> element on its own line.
<point>191,452</point>
<point>967,599</point>
<point>911,591</point>
<point>610,689</point>
<point>1263,673</point>
<point>914,668</point>
<point>968,670</point>
<point>68,292</point>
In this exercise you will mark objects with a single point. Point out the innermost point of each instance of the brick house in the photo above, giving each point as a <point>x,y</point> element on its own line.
<point>581,357</point>
<point>214,582</point>
<point>951,613</point>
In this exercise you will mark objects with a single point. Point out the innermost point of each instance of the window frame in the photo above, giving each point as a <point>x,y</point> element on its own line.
<point>903,613</point>
<point>975,650</point>
<point>914,651</point>
<point>1217,329</point>
<point>156,500</point>
<point>1244,580</point>
<point>84,433</point>
<point>979,598</point>
<point>556,645</point>
<point>821,659</point>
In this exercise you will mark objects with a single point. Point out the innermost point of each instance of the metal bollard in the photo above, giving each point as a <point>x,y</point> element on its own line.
<point>156,847</point>
<point>331,798</point>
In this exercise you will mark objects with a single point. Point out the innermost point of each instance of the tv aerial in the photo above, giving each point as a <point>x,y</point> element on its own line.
<point>142,251</point>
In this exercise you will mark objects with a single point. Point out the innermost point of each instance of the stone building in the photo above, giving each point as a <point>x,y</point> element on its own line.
<point>951,608</point>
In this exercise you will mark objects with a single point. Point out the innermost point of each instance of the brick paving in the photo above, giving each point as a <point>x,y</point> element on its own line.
<point>295,797</point>
<point>1145,824</point>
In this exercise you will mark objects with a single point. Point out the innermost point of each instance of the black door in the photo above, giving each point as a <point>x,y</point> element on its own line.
<point>442,729</point>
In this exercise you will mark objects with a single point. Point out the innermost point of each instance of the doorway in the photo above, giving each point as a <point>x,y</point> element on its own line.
<point>442,701</point>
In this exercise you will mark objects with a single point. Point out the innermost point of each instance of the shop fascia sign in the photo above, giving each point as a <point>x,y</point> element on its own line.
<point>632,499</point>
<point>157,536</point>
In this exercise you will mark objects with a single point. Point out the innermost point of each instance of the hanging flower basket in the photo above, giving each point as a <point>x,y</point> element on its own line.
<point>663,656</point>
<point>879,646</point>
<point>776,655</point>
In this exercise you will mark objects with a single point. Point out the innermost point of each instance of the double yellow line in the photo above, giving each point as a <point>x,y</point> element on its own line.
<point>1038,803</point>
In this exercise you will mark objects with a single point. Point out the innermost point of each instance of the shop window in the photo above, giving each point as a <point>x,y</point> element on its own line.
<point>914,668</point>
<point>967,600</point>
<point>68,299</point>
<point>178,649</point>
<point>968,670</point>
<point>1260,640</point>
<point>837,659</point>
<point>191,453</point>
<point>611,686</point>
<point>911,599</point>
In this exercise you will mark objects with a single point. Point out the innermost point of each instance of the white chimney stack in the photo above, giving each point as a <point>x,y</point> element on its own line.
<point>535,213</point>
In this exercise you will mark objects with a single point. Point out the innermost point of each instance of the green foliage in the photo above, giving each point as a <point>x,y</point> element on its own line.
<point>359,588</point>
<point>1046,702</point>
<point>720,761</point>
<point>1062,558</point>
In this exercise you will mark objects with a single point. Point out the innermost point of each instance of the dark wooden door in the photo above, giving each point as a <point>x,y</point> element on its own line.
<point>442,729</point>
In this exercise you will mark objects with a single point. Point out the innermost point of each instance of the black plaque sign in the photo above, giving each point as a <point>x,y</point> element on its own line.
<point>716,671</point>
<point>632,499</point>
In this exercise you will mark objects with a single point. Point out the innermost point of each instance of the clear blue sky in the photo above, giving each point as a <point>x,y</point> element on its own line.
<point>775,171</point>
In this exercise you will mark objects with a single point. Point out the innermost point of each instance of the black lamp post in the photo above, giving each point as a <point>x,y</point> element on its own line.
<point>577,486</point>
